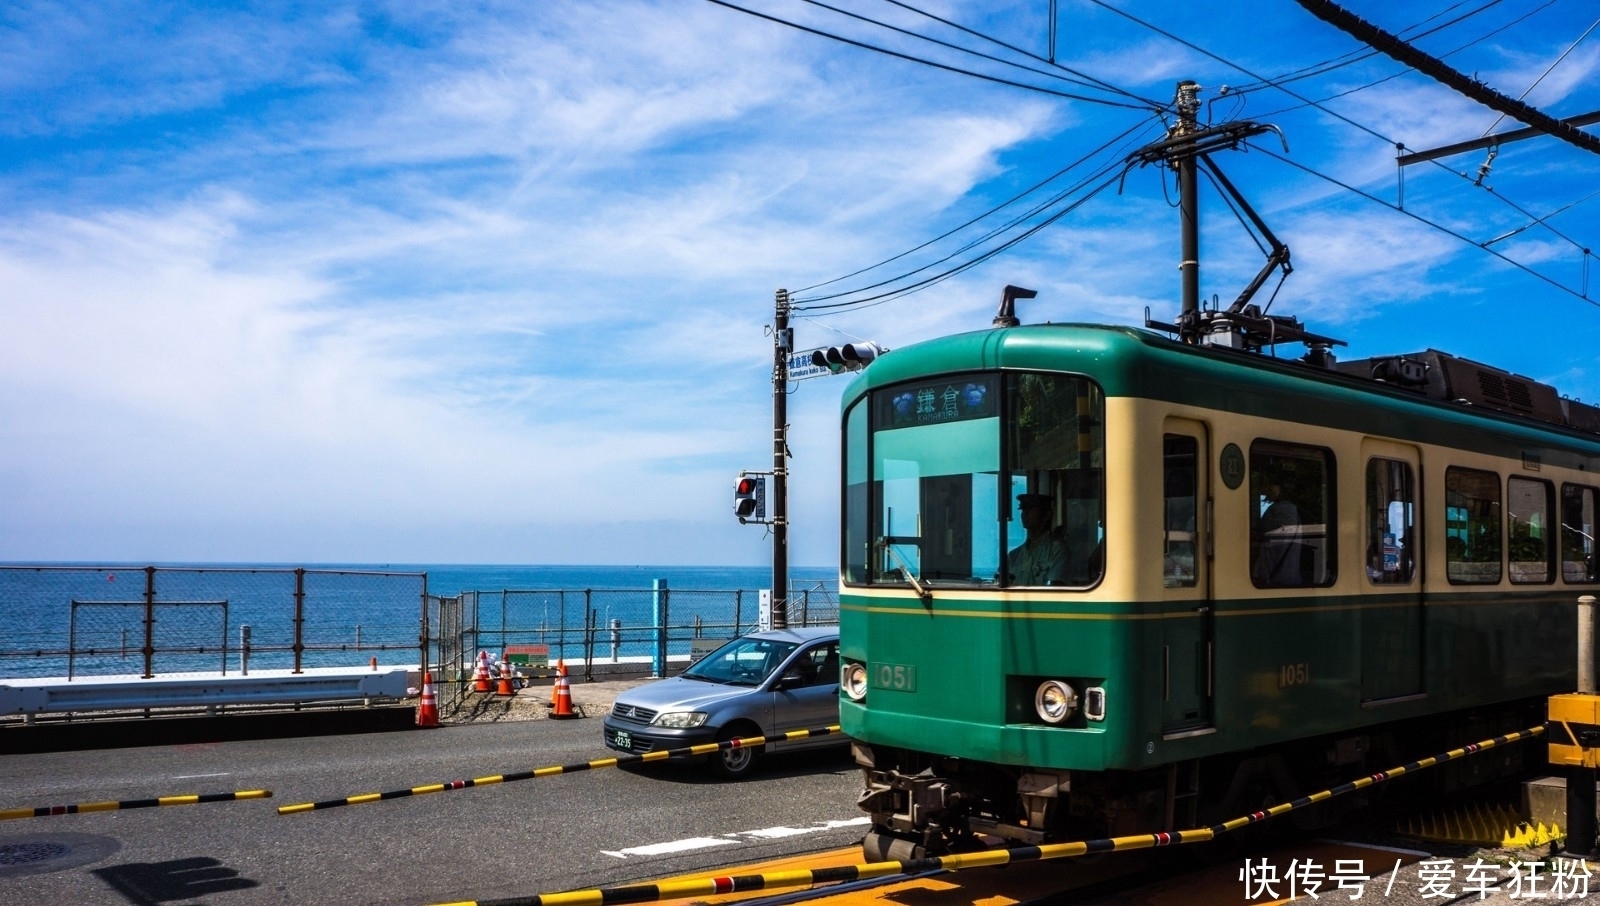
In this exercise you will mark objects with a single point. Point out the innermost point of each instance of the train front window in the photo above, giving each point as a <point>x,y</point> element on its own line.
<point>976,479</point>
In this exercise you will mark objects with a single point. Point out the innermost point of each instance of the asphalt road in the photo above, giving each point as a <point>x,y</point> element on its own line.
<point>575,830</point>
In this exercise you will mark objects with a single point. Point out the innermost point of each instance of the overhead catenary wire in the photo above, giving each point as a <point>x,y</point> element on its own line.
<point>1075,78</point>
<point>1548,69</point>
<point>925,62</point>
<point>1356,56</point>
<point>1368,33</point>
<point>1583,250</point>
<point>1160,105</point>
<point>1581,294</point>
<point>816,305</point>
<point>1404,70</point>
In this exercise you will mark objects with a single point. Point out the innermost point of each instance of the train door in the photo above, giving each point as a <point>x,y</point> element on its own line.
<point>1391,582</point>
<point>1187,620</point>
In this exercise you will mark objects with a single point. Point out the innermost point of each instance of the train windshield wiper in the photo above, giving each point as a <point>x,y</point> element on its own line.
<point>883,543</point>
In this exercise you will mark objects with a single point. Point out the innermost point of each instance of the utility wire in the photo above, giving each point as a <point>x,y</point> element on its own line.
<point>1548,70</point>
<point>1356,56</point>
<point>871,301</point>
<point>1425,221</point>
<point>951,232</point>
<point>1299,97</point>
<point>944,275</point>
<point>912,59</point>
<point>1370,34</point>
<point>967,50</point>
<point>1395,75</point>
<point>1159,105</point>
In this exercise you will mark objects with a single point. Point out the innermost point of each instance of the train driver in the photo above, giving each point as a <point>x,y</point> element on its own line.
<point>1042,559</point>
<point>1278,547</point>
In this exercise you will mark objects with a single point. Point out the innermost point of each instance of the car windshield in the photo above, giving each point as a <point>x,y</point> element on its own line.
<point>742,662</point>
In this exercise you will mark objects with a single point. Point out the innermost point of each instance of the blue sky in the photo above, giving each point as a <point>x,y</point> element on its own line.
<point>489,282</point>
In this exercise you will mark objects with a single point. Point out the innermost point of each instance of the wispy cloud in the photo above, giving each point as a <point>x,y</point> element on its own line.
<point>316,284</point>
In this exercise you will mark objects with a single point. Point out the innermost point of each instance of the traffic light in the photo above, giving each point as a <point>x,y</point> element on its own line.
<point>849,357</point>
<point>750,498</point>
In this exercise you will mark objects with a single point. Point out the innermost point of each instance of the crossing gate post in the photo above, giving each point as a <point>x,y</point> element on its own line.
<point>1575,737</point>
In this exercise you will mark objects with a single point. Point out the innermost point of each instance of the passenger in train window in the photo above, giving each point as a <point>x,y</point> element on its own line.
<point>1278,549</point>
<point>1042,559</point>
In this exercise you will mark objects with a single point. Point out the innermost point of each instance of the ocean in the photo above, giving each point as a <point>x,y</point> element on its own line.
<point>82,619</point>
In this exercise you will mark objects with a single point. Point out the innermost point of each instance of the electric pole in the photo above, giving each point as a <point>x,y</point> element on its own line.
<point>1188,101</point>
<point>782,346</point>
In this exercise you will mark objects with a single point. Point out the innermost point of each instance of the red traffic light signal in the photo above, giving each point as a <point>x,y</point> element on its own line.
<point>750,497</point>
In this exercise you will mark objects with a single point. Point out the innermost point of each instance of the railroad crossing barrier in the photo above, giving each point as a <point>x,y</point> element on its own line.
<point>83,807</point>
<point>551,771</point>
<point>805,878</point>
<point>117,693</point>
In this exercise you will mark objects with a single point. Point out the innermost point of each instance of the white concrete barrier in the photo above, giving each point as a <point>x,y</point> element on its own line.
<point>261,687</point>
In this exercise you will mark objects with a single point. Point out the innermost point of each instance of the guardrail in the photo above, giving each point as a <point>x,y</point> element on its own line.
<point>30,697</point>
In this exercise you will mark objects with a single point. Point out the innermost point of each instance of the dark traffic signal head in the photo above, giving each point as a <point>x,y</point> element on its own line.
<point>849,357</point>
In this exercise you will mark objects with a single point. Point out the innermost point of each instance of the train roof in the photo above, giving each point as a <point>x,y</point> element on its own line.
<point>1383,395</point>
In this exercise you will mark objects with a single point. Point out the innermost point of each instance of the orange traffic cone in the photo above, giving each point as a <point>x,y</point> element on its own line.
<point>503,688</point>
<point>428,710</point>
<point>480,675</point>
<point>563,709</point>
<point>555,688</point>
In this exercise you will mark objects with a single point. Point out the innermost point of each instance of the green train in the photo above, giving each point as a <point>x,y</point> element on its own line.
<point>1097,582</point>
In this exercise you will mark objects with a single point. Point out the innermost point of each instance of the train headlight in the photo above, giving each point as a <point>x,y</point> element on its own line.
<point>1055,701</point>
<point>853,680</point>
<point>680,720</point>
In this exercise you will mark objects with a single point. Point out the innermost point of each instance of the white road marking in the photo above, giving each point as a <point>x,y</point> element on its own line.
<point>197,776</point>
<point>734,839</point>
<point>778,833</point>
<point>676,846</point>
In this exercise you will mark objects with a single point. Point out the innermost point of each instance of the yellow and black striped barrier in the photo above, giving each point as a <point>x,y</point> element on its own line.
<point>782,880</point>
<point>82,807</point>
<point>597,764</point>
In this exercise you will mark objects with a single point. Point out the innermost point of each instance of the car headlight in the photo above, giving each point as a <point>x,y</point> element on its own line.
<point>679,720</point>
<point>853,680</point>
<point>1055,701</point>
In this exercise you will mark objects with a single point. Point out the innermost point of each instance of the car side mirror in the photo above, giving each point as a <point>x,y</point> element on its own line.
<point>791,679</point>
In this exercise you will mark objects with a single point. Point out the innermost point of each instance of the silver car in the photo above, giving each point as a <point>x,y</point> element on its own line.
<point>761,684</point>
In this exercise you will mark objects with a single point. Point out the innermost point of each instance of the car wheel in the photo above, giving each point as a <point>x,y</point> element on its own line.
<point>734,763</point>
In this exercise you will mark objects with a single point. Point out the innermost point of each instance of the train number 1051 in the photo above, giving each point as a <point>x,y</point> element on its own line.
<point>1294,675</point>
<point>899,677</point>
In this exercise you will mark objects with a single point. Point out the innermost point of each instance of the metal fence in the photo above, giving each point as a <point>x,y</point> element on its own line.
<point>77,621</point>
<point>593,627</point>
<point>150,621</point>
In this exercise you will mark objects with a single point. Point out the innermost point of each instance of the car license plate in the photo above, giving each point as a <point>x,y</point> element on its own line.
<point>622,740</point>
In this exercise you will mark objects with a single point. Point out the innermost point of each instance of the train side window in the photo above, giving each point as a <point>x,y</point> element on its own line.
<point>1577,534</point>
<point>1471,526</point>
<point>1391,522</point>
<point>1532,538</point>
<point>1291,493</point>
